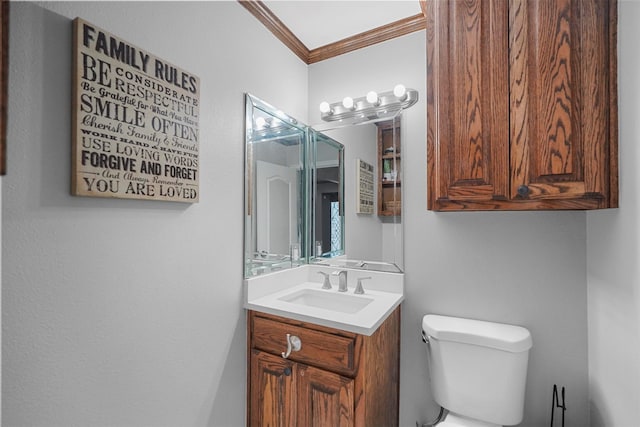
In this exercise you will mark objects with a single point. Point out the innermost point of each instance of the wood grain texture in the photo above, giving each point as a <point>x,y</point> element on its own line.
<point>321,349</point>
<point>273,394</point>
<point>324,398</point>
<point>377,386</point>
<point>613,104</point>
<point>560,80</point>
<point>560,148</point>
<point>364,397</point>
<point>467,100</point>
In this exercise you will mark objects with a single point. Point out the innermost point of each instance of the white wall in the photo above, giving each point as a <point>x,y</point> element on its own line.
<point>514,267</point>
<point>613,271</point>
<point>128,313</point>
<point>123,312</point>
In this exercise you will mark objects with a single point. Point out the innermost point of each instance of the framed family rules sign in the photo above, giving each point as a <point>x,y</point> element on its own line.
<point>135,121</point>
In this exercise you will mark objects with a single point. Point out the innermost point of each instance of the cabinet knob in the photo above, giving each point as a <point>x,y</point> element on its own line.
<point>523,191</point>
<point>287,371</point>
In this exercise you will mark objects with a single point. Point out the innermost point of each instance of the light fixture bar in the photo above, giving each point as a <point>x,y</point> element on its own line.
<point>370,107</point>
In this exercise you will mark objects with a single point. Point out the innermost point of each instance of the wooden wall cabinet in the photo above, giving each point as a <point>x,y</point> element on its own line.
<point>522,104</point>
<point>390,168</point>
<point>337,379</point>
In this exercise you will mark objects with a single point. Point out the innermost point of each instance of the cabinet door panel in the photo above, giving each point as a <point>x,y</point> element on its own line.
<point>272,391</point>
<point>467,100</point>
<point>324,398</point>
<point>559,79</point>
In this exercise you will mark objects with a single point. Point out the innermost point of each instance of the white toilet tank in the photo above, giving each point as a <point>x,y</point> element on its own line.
<point>478,369</point>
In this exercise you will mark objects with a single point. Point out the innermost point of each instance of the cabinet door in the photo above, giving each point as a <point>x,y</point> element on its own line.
<point>272,389</point>
<point>324,398</point>
<point>467,102</point>
<point>563,102</point>
<point>522,104</point>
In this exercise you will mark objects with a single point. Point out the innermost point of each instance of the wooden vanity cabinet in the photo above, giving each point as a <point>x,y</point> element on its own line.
<point>522,104</point>
<point>337,378</point>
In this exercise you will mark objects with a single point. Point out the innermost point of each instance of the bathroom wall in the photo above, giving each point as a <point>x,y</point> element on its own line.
<point>128,313</point>
<point>613,271</point>
<point>121,312</point>
<point>524,268</point>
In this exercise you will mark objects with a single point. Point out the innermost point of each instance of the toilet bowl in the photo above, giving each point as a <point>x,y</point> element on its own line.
<point>455,420</point>
<point>478,370</point>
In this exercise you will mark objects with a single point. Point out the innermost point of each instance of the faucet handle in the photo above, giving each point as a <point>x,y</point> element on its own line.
<point>359,289</point>
<point>327,282</point>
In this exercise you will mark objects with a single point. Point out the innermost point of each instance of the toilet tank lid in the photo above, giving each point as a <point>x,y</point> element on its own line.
<point>505,337</point>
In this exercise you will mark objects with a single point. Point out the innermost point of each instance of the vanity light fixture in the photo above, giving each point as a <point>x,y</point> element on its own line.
<point>400,91</point>
<point>261,123</point>
<point>325,107</point>
<point>370,107</point>
<point>347,103</point>
<point>372,98</point>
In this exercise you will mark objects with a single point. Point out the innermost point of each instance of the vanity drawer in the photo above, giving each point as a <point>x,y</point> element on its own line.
<point>321,349</point>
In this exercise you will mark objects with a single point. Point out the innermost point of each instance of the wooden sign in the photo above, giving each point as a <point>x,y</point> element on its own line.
<point>364,187</point>
<point>135,121</point>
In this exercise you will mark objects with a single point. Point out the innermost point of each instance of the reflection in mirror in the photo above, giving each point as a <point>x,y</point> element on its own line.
<point>372,241</point>
<point>274,189</point>
<point>328,196</point>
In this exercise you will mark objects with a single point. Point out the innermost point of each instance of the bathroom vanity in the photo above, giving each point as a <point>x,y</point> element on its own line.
<point>322,357</point>
<point>323,329</point>
<point>337,378</point>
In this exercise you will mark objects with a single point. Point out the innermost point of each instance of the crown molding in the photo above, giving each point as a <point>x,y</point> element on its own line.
<point>277,27</point>
<point>369,38</point>
<point>358,41</point>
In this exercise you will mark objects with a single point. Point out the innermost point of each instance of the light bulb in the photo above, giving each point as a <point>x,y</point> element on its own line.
<point>400,91</point>
<point>325,107</point>
<point>372,97</point>
<point>347,102</point>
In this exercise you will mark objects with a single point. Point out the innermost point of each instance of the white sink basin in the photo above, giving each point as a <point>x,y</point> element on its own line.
<point>296,293</point>
<point>328,300</point>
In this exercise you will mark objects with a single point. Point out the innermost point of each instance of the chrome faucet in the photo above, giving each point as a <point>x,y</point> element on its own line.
<point>342,279</point>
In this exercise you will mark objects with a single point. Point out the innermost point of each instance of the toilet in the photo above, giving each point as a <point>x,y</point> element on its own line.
<point>478,370</point>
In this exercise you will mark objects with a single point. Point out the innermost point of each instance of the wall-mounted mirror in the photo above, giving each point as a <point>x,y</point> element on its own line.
<point>372,193</point>
<point>329,195</point>
<point>275,192</point>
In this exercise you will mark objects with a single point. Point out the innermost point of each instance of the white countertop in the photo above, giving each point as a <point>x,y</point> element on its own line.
<point>385,290</point>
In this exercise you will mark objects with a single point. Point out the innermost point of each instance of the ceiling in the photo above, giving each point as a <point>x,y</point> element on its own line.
<point>319,23</point>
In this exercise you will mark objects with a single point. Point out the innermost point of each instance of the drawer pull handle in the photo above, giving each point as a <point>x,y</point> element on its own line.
<point>293,344</point>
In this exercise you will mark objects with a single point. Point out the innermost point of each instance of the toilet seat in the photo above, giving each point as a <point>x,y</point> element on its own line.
<point>455,420</point>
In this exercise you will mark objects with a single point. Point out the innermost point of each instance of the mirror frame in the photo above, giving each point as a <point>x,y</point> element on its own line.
<point>281,261</point>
